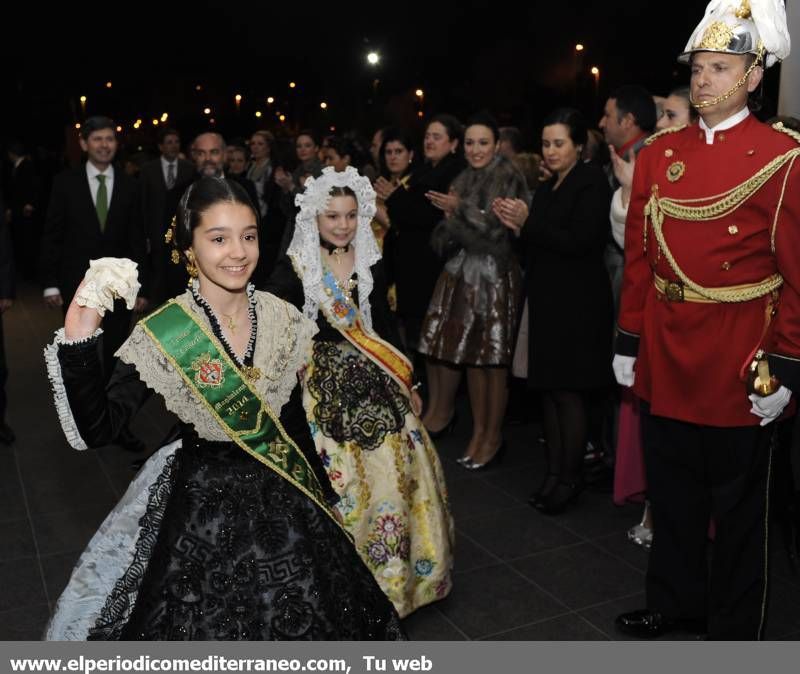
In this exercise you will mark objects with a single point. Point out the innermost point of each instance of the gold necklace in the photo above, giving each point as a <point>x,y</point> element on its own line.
<point>231,323</point>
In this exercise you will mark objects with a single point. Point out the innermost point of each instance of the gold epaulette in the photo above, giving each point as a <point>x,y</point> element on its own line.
<point>779,126</point>
<point>663,132</point>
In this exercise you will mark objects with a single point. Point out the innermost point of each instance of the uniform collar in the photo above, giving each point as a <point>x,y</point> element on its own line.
<point>729,123</point>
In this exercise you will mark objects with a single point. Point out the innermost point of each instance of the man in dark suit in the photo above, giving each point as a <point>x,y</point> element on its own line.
<point>163,182</point>
<point>208,154</point>
<point>6,300</point>
<point>94,212</point>
<point>23,217</point>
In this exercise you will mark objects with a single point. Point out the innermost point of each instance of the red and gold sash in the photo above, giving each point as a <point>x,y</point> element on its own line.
<point>343,315</point>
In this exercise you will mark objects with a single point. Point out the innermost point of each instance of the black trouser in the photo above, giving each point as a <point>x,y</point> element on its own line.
<point>3,374</point>
<point>695,473</point>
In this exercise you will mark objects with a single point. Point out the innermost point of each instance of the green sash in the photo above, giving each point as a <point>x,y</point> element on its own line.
<point>219,385</point>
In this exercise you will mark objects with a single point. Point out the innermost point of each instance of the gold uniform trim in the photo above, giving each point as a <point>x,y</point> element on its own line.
<point>713,208</point>
<point>678,292</point>
<point>779,126</point>
<point>672,129</point>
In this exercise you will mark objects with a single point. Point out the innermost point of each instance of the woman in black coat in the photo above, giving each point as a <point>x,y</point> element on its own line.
<point>414,215</point>
<point>569,299</point>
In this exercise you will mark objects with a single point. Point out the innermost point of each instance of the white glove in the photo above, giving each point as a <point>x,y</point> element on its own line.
<point>623,369</point>
<point>770,407</point>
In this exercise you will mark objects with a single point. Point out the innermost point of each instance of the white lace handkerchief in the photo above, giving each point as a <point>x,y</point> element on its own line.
<point>107,279</point>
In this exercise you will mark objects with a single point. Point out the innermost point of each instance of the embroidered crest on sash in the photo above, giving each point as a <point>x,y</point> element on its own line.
<point>209,371</point>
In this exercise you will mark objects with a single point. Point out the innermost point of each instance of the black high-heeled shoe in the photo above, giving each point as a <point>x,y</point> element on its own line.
<point>448,428</point>
<point>496,460</point>
<point>556,501</point>
<point>549,483</point>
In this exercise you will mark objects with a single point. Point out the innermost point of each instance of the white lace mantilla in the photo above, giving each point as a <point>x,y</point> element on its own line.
<point>108,555</point>
<point>60,399</point>
<point>282,348</point>
<point>304,248</point>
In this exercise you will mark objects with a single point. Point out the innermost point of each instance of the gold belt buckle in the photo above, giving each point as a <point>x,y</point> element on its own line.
<point>673,290</point>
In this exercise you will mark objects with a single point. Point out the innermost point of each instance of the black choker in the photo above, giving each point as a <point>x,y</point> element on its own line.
<point>333,250</point>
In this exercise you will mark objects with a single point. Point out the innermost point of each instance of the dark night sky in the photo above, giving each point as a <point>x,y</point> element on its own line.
<point>518,62</point>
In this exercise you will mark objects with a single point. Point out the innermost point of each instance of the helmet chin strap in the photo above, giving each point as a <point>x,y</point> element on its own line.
<point>724,97</point>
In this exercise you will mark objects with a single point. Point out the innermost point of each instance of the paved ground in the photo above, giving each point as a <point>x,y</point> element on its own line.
<point>519,575</point>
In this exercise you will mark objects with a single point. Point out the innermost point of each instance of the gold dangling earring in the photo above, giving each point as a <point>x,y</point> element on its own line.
<point>191,266</point>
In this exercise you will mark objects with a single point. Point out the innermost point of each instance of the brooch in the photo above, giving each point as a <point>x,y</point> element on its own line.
<point>252,374</point>
<point>675,171</point>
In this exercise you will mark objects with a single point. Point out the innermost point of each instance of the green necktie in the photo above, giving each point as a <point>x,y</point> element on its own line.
<point>102,202</point>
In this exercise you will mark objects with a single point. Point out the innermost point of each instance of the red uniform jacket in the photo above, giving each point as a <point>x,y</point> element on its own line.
<point>690,354</point>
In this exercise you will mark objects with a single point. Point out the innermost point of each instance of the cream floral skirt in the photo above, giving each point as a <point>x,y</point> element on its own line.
<point>385,468</point>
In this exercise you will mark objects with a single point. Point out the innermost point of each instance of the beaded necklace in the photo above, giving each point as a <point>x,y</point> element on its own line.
<point>246,362</point>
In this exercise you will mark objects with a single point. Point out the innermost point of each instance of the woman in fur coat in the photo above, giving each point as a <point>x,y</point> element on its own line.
<point>472,315</point>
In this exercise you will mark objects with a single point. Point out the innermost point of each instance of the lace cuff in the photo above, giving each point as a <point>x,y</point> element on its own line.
<point>63,409</point>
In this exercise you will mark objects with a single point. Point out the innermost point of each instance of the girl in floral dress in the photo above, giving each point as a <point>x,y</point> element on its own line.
<point>358,394</point>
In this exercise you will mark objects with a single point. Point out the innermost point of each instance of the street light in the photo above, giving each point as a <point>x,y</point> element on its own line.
<point>270,100</point>
<point>292,85</point>
<point>258,113</point>
<point>164,117</point>
<point>579,47</point>
<point>323,105</point>
<point>108,85</point>
<point>373,58</point>
<point>282,118</point>
<point>419,93</point>
<point>155,122</point>
<point>206,111</point>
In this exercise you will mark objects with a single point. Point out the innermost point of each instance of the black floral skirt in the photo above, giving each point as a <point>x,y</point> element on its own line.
<point>234,552</point>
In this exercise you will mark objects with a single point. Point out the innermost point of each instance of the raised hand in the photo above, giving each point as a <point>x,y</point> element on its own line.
<point>80,322</point>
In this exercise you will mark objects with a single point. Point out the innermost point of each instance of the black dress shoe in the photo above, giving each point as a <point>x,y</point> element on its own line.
<point>549,483</point>
<point>647,624</point>
<point>447,429</point>
<point>562,495</point>
<point>6,434</point>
